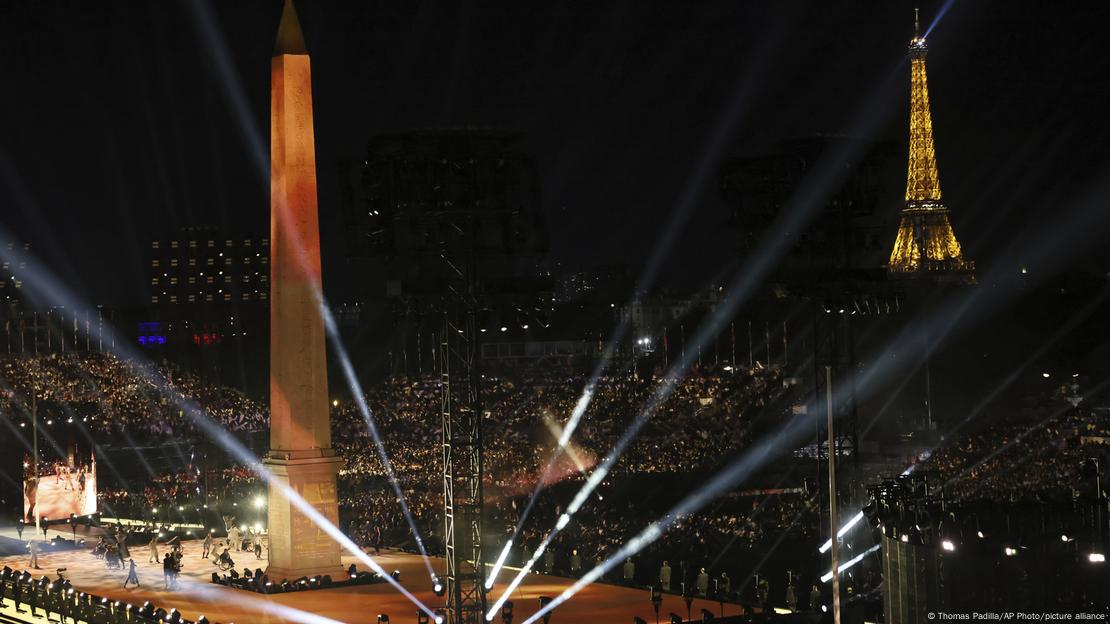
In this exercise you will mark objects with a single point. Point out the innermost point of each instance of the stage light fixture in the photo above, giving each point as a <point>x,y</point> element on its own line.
<point>1096,558</point>
<point>383,618</point>
<point>948,545</point>
<point>638,620</point>
<point>676,618</point>
<point>1009,551</point>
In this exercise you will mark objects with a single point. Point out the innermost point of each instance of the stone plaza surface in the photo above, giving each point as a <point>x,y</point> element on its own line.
<point>197,595</point>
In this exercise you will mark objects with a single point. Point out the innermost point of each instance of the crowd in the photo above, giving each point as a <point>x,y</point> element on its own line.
<point>1033,455</point>
<point>702,419</point>
<point>110,394</point>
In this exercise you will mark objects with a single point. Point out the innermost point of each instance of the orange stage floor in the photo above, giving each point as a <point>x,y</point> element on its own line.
<point>198,596</point>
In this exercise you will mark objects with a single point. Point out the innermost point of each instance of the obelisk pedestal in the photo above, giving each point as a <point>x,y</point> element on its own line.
<point>300,457</point>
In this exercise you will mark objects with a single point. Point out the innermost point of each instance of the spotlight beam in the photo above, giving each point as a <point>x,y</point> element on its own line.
<point>842,531</point>
<point>851,562</point>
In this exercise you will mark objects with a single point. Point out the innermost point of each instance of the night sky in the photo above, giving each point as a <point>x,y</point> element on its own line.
<point>126,120</point>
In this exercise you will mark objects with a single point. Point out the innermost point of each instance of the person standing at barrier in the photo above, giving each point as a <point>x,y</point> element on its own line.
<point>762,591</point>
<point>702,583</point>
<point>815,598</point>
<point>132,575</point>
<point>724,586</point>
<point>575,564</point>
<point>665,576</point>
<point>629,572</point>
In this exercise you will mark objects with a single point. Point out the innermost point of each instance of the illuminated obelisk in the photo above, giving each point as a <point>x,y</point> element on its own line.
<point>300,454</point>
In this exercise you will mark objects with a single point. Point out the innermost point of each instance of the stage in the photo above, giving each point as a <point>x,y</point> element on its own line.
<point>198,596</point>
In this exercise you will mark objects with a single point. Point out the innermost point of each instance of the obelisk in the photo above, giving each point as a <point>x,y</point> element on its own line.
<point>300,436</point>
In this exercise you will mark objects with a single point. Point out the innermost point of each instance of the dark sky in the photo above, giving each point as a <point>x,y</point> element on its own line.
<point>125,120</point>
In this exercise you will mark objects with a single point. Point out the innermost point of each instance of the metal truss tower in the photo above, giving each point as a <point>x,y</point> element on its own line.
<point>461,416</point>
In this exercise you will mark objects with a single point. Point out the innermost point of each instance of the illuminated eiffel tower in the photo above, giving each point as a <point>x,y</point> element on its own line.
<point>926,246</point>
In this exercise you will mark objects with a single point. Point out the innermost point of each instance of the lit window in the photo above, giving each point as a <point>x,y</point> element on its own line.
<point>192,298</point>
<point>246,297</point>
<point>246,278</point>
<point>173,244</point>
<point>246,260</point>
<point>154,298</point>
<point>192,261</point>
<point>227,279</point>
<point>153,263</point>
<point>227,296</point>
<point>154,245</point>
<point>173,281</point>
<point>211,261</point>
<point>247,242</point>
<point>262,295</point>
<point>173,298</point>
<point>229,243</point>
<point>208,297</point>
<point>192,279</point>
<point>192,244</point>
<point>154,281</point>
<point>173,262</point>
<point>211,243</point>
<point>227,261</point>
<point>208,279</point>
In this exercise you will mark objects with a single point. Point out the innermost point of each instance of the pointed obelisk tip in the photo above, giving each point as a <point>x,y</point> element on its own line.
<point>290,39</point>
<point>916,23</point>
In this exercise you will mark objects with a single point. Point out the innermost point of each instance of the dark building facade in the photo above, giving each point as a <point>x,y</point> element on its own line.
<point>199,266</point>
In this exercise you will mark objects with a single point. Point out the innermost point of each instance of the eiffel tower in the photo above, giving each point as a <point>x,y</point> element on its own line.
<point>925,246</point>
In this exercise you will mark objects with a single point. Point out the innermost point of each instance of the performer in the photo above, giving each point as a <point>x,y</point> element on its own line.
<point>132,575</point>
<point>207,545</point>
<point>153,549</point>
<point>34,546</point>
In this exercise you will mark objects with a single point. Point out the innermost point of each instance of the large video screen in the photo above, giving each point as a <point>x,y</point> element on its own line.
<point>63,488</point>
